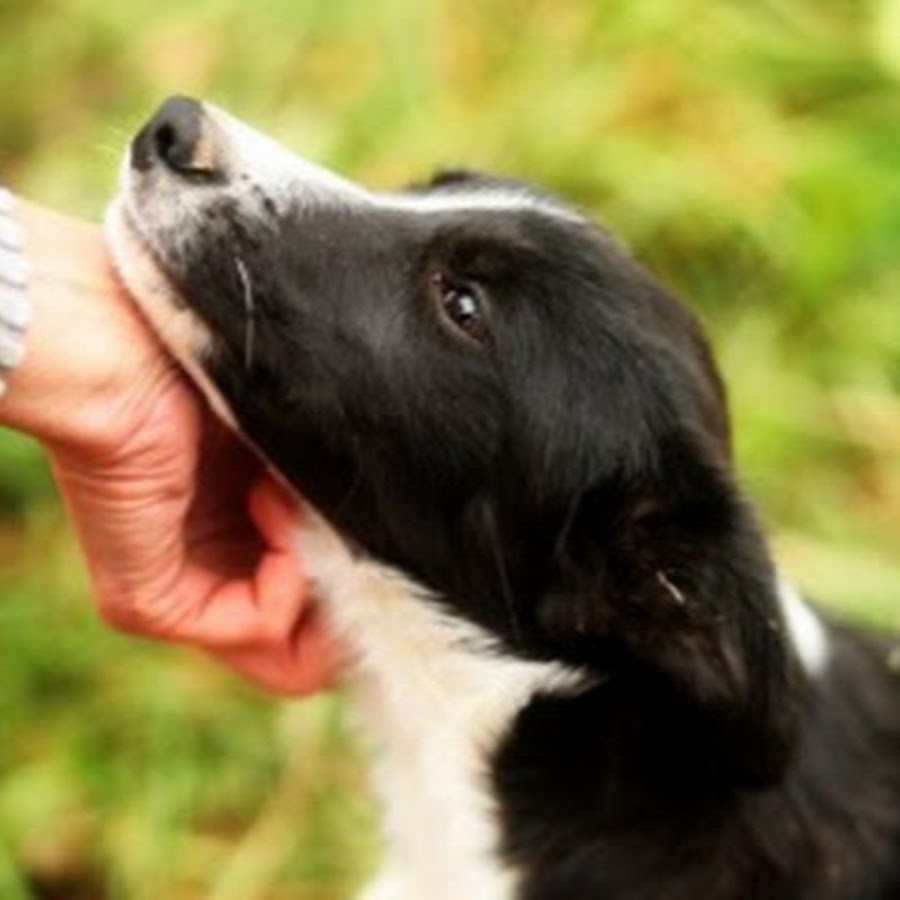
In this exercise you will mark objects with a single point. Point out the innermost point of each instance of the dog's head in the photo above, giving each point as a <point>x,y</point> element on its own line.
<point>474,383</point>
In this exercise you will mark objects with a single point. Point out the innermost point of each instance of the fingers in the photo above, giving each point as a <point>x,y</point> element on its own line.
<point>261,623</point>
<point>264,628</point>
<point>275,513</point>
<point>309,662</point>
<point>289,649</point>
<point>267,630</point>
<point>280,596</point>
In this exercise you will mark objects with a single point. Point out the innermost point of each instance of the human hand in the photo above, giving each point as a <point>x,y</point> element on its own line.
<point>187,538</point>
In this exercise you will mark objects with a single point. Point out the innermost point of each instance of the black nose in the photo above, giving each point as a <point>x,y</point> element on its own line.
<point>176,138</point>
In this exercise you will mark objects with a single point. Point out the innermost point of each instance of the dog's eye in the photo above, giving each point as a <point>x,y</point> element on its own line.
<point>462,308</point>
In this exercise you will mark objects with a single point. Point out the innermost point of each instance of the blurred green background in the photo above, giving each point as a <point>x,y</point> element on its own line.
<point>749,152</point>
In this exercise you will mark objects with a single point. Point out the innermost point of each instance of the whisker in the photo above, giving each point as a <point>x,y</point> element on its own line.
<point>509,604</point>
<point>249,312</point>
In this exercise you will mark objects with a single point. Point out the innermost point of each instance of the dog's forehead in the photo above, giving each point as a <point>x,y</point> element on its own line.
<point>464,212</point>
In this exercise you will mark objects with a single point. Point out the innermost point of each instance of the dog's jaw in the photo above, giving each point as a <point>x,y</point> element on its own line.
<point>178,327</point>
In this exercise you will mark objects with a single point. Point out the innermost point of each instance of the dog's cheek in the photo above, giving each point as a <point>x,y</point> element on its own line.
<point>688,594</point>
<point>598,621</point>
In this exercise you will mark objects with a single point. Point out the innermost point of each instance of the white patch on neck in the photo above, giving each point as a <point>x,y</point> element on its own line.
<point>434,695</point>
<point>806,629</point>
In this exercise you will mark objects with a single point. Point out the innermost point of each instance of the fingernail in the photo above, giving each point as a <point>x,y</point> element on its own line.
<point>12,351</point>
<point>14,270</point>
<point>15,308</point>
<point>11,235</point>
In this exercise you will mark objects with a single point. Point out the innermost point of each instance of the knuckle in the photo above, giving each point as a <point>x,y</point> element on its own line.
<point>119,616</point>
<point>133,614</point>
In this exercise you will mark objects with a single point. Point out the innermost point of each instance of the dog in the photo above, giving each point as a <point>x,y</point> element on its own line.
<point>580,672</point>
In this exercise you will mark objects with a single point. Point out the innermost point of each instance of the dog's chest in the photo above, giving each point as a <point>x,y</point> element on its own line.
<point>433,697</point>
<point>431,735</point>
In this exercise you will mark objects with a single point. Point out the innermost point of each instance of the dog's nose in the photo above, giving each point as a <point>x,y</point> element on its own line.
<point>179,136</point>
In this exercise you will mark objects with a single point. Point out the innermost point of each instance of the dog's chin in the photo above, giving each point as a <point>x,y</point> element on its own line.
<point>178,327</point>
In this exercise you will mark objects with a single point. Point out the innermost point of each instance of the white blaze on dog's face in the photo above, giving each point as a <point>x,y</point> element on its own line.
<point>477,387</point>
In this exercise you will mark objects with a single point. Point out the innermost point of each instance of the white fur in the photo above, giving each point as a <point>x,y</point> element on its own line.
<point>434,695</point>
<point>470,200</point>
<point>180,329</point>
<point>806,630</point>
<point>291,178</point>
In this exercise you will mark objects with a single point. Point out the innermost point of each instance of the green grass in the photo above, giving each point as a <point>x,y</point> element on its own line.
<point>748,152</point>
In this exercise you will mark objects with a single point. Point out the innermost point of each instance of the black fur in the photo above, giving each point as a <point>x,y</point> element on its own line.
<point>565,482</point>
<point>622,793</point>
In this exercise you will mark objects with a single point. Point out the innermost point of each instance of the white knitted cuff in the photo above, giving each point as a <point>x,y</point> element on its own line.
<point>15,307</point>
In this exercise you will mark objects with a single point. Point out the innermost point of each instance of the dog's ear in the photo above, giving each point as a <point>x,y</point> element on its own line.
<point>670,571</point>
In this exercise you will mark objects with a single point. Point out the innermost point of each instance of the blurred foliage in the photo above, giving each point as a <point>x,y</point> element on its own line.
<point>748,152</point>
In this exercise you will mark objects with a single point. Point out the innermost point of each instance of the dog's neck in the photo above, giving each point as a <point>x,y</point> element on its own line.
<point>434,698</point>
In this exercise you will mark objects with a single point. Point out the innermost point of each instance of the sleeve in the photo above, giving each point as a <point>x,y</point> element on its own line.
<point>15,307</point>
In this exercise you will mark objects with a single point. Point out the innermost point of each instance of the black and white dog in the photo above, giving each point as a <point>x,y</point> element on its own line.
<point>581,674</point>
